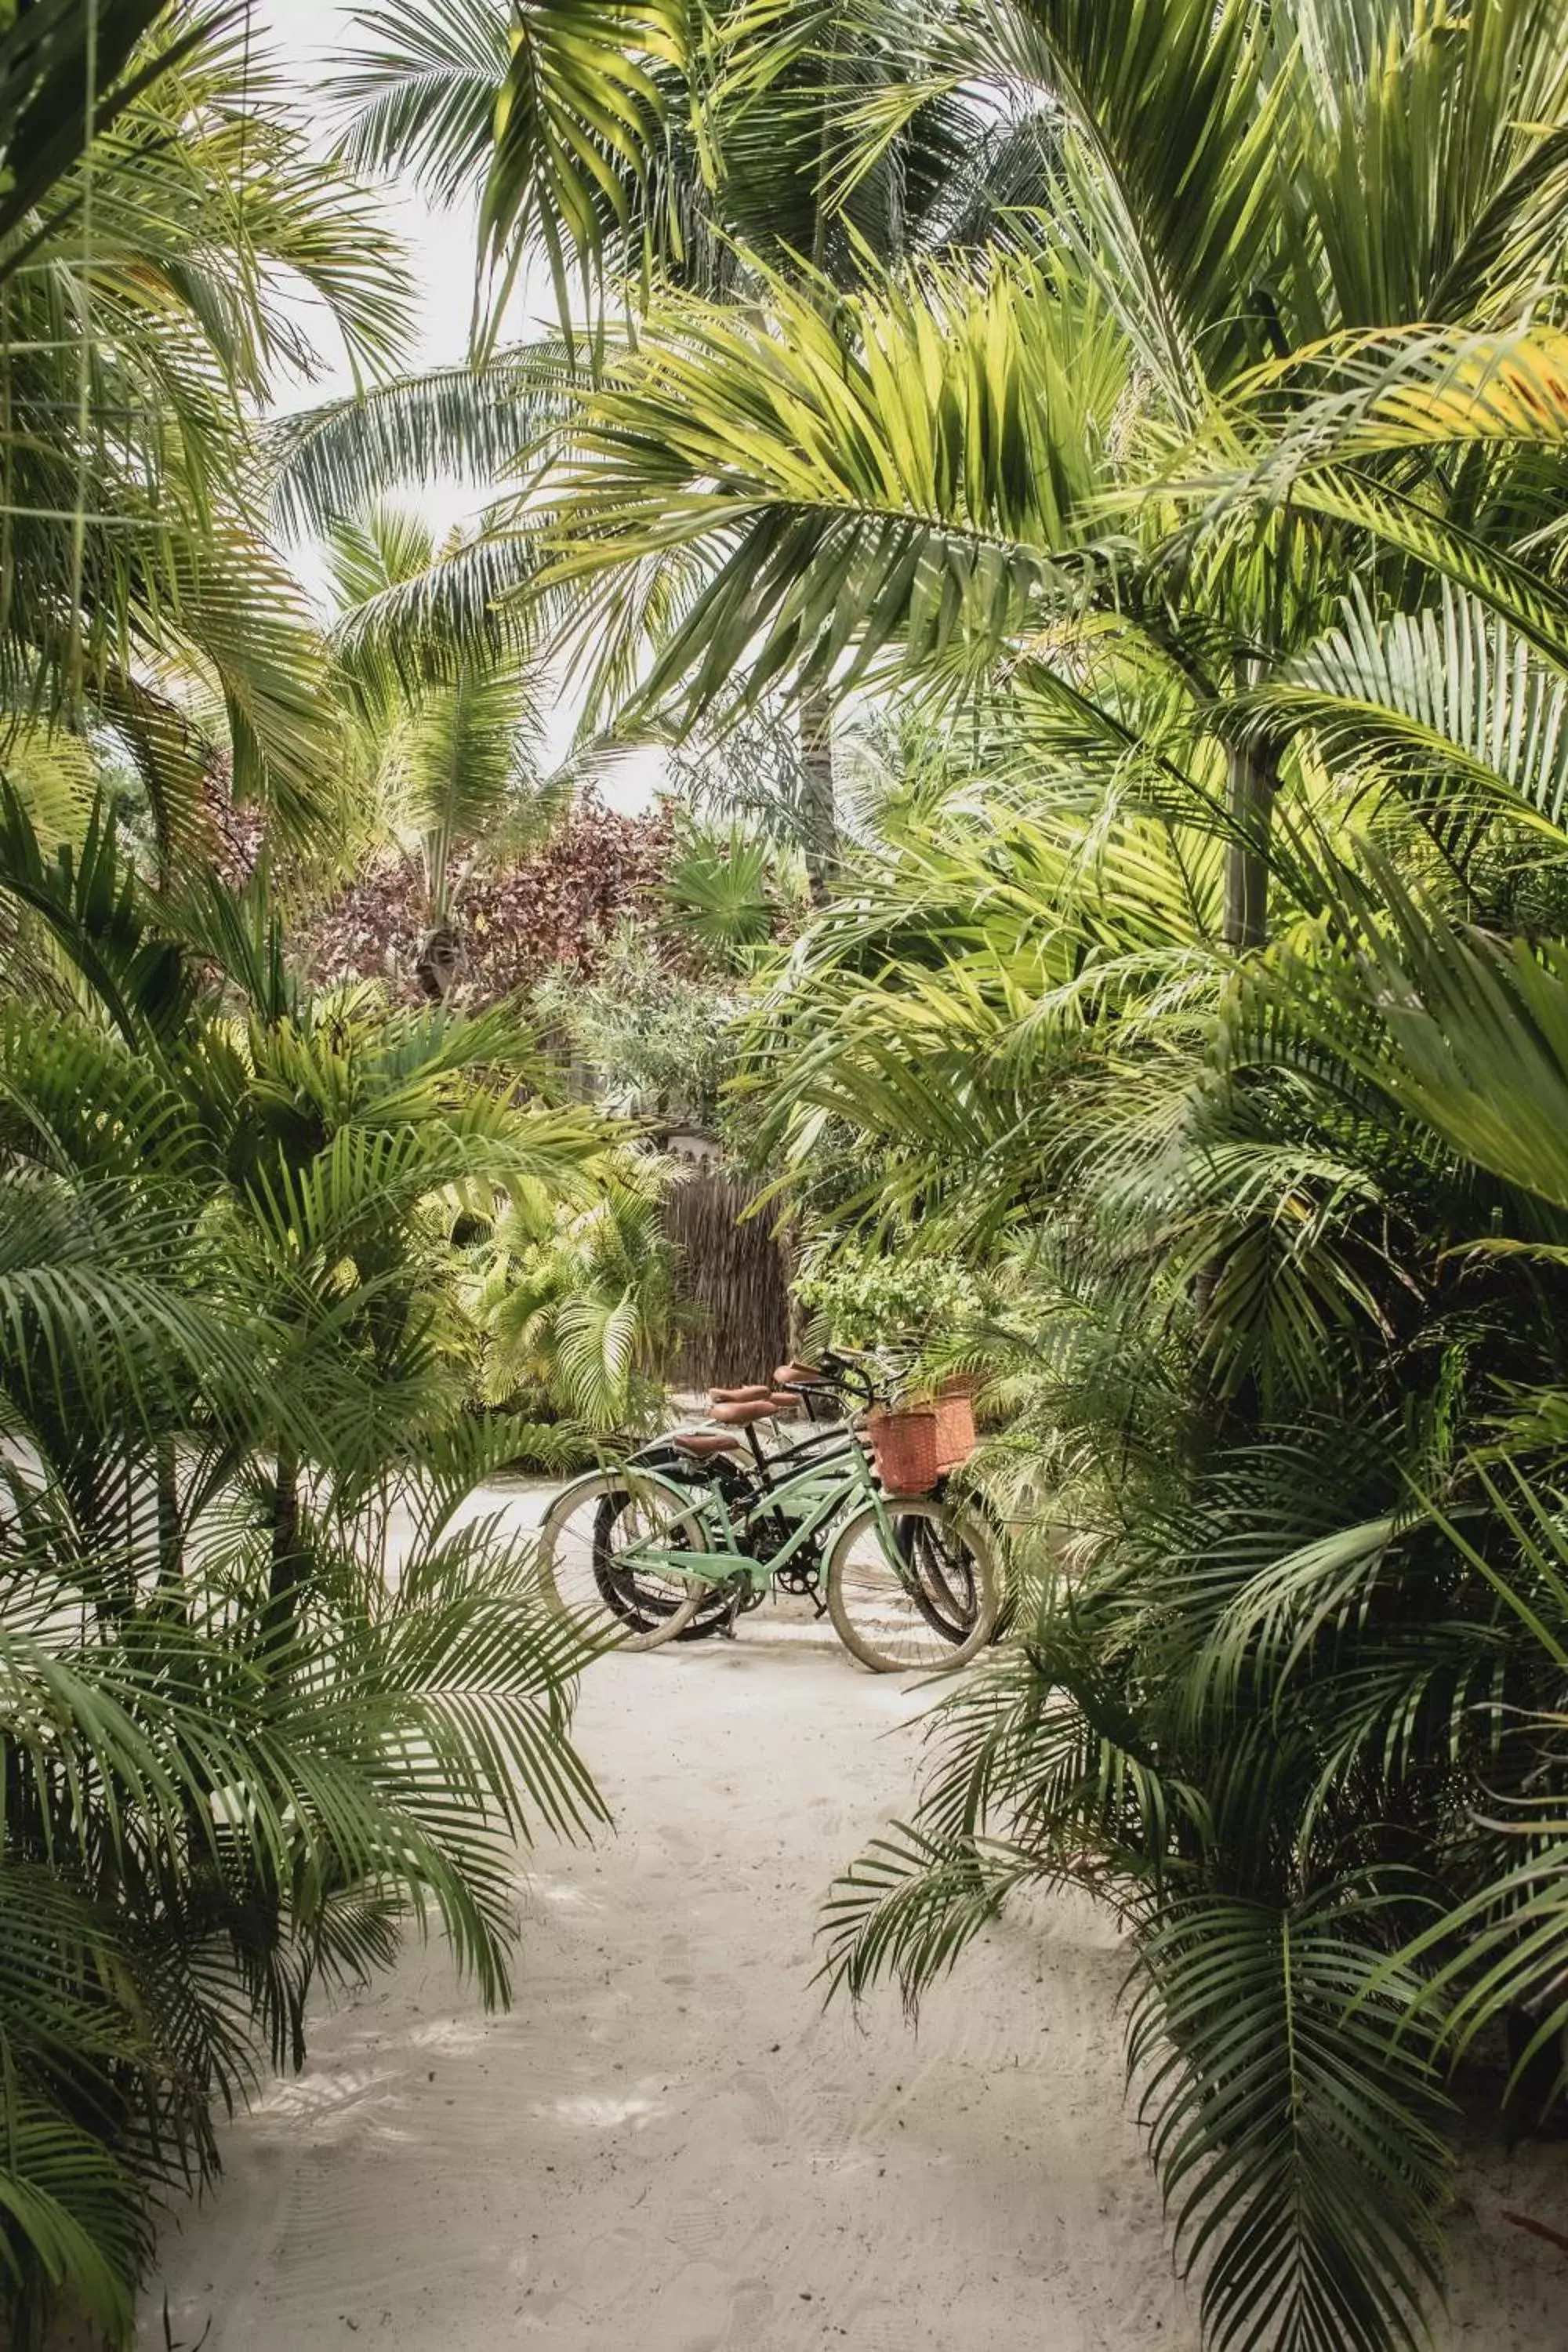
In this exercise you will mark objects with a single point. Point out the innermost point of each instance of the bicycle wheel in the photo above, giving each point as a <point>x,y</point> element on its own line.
<point>944,1589</point>
<point>715,1602</point>
<point>717,1608</point>
<point>593,1556</point>
<point>926,1610</point>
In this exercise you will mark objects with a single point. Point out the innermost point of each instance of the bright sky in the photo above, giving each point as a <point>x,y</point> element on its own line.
<point>306,33</point>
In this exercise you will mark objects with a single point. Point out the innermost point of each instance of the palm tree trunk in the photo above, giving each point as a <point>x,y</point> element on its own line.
<point>166,1470</point>
<point>287,1558</point>
<point>440,956</point>
<point>818,800</point>
<point>1253,779</point>
<point>438,962</point>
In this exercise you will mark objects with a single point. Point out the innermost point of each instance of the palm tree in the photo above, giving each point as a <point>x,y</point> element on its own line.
<point>445,752</point>
<point>148,299</point>
<point>238,1754</point>
<point>1289,1351</point>
<point>1188,196</point>
<point>1220,995</point>
<point>640,148</point>
<point>1226,992</point>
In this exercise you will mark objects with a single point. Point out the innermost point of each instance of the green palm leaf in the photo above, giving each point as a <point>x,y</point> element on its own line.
<point>420,89</point>
<point>576,117</point>
<point>914,472</point>
<point>1295,2123</point>
<point>1427,698</point>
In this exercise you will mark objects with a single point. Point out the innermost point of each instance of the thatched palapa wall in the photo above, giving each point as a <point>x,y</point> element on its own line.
<point>735,1277</point>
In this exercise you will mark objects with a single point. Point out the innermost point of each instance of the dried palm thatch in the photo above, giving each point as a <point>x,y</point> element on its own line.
<point>734,1277</point>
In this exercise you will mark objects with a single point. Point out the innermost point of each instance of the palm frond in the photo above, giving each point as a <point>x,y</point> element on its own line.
<point>1295,2128</point>
<point>849,481</point>
<point>1428,697</point>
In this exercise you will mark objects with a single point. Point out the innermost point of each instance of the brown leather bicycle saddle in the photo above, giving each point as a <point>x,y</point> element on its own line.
<point>741,1413</point>
<point>704,1444</point>
<point>754,1395</point>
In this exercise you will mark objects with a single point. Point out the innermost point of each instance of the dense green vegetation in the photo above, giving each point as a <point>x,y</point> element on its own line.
<point>237,1751</point>
<point>1076,485</point>
<point>270,1686</point>
<point>1203,994</point>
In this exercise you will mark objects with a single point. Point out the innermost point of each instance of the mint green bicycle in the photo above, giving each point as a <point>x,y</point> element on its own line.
<point>696,1529</point>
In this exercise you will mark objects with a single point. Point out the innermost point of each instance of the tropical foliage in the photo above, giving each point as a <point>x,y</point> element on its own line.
<point>707,161</point>
<point>272,1685</point>
<point>655,1040</point>
<point>579,1305</point>
<point>858,1297</point>
<point>1204,993</point>
<point>246,1731</point>
<point>444,755</point>
<point>1137,428</point>
<point>151,294</point>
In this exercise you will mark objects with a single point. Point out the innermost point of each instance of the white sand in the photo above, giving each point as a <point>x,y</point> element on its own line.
<point>667,2147</point>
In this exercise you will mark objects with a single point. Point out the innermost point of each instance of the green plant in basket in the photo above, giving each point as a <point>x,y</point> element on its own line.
<point>857,1298</point>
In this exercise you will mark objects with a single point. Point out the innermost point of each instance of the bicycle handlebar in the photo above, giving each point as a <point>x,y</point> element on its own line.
<point>846,1372</point>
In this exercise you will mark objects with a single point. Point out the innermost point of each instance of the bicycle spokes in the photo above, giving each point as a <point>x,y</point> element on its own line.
<point>910,1588</point>
<point>614,1552</point>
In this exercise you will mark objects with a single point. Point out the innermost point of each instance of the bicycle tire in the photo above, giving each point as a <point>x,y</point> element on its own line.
<point>942,1590</point>
<point>999,1536</point>
<point>881,1615</point>
<point>716,1610</point>
<point>581,1583</point>
<point>715,1602</point>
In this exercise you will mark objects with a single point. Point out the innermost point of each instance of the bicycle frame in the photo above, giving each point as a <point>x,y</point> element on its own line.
<point>826,1488</point>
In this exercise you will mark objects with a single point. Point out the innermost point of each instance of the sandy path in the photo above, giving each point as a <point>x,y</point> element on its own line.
<point>666,2147</point>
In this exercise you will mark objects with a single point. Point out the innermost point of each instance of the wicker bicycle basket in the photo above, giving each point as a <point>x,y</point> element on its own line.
<point>956,1434</point>
<point>904,1447</point>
